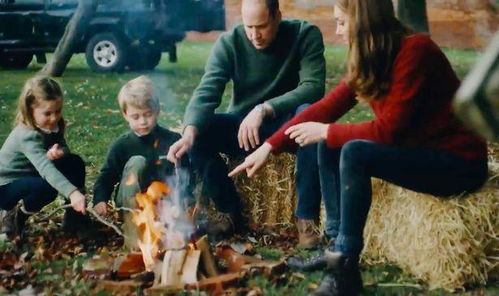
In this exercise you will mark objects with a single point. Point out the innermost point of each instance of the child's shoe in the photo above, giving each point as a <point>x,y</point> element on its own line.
<point>13,222</point>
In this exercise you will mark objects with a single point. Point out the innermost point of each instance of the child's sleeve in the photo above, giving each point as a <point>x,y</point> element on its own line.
<point>33,148</point>
<point>109,175</point>
<point>64,146</point>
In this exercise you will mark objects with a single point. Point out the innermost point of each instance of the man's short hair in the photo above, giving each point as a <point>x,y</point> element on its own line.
<point>138,93</point>
<point>272,6</point>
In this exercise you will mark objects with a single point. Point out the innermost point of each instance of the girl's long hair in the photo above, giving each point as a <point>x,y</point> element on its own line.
<point>35,90</point>
<point>374,37</point>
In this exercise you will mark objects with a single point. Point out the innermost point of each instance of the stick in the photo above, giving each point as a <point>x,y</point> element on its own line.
<point>105,222</point>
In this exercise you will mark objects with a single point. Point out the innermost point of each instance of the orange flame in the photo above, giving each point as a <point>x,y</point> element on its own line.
<point>149,228</point>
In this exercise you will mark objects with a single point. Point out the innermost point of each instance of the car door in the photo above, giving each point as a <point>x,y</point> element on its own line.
<point>58,14</point>
<point>18,22</point>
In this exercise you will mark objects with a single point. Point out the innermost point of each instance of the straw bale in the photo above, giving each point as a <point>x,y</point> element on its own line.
<point>446,242</point>
<point>270,197</point>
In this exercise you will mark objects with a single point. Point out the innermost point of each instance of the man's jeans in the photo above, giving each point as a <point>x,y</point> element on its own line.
<point>221,136</point>
<point>348,171</point>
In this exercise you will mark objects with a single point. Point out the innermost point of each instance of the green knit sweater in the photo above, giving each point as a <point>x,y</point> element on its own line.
<point>290,72</point>
<point>24,154</point>
<point>153,147</point>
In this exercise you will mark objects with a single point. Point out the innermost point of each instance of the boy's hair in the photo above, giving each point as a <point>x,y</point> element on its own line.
<point>138,93</point>
<point>36,89</point>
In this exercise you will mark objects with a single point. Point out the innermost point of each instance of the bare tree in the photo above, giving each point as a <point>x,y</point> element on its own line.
<point>74,30</point>
<point>413,13</point>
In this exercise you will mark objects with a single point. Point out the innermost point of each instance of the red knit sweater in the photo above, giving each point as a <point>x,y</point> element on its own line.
<point>415,111</point>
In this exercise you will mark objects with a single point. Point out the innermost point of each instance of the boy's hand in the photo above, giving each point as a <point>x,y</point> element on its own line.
<point>179,148</point>
<point>55,152</point>
<point>78,201</point>
<point>101,208</point>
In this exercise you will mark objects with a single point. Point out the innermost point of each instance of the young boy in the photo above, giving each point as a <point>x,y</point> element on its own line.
<point>138,157</point>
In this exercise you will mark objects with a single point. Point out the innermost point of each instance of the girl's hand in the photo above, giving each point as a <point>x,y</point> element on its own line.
<point>101,208</point>
<point>78,201</point>
<point>308,133</point>
<point>254,161</point>
<point>55,152</point>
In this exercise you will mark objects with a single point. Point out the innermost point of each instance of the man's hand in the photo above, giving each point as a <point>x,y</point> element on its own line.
<point>307,133</point>
<point>184,144</point>
<point>101,208</point>
<point>248,136</point>
<point>55,152</point>
<point>254,161</point>
<point>78,201</point>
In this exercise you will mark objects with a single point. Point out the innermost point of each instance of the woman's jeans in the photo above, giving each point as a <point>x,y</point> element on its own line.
<point>221,136</point>
<point>348,171</point>
<point>36,192</point>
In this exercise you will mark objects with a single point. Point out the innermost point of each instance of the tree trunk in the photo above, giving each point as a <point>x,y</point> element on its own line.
<point>74,30</point>
<point>413,14</point>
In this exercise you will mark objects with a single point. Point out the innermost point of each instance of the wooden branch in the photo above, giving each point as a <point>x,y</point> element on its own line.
<point>105,222</point>
<point>206,256</point>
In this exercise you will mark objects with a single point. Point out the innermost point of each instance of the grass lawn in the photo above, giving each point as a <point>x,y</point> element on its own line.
<point>93,117</point>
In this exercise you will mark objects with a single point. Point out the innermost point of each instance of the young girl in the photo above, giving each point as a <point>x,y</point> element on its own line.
<point>414,141</point>
<point>35,162</point>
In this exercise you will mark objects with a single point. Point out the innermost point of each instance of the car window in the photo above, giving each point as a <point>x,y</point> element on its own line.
<point>63,3</point>
<point>27,4</point>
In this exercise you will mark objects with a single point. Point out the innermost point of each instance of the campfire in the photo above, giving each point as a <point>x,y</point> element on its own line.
<point>171,258</point>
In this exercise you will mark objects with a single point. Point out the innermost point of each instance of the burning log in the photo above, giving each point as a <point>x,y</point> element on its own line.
<point>206,256</point>
<point>171,274</point>
<point>128,265</point>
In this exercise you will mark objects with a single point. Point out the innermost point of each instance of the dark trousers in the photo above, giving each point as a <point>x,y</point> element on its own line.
<point>349,172</point>
<point>36,192</point>
<point>221,136</point>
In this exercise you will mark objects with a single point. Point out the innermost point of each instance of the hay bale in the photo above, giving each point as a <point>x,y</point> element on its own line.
<point>270,197</point>
<point>446,242</point>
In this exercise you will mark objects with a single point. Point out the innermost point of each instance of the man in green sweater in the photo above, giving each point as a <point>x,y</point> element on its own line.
<point>276,66</point>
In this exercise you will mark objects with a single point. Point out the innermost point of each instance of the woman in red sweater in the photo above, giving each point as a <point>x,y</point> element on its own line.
<point>414,140</point>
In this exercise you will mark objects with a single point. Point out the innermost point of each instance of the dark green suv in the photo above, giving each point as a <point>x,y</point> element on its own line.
<point>122,34</point>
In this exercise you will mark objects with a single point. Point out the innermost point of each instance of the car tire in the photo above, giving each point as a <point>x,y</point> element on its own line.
<point>15,60</point>
<point>144,58</point>
<point>106,52</point>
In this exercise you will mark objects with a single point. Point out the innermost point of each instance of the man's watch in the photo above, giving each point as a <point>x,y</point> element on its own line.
<point>261,109</point>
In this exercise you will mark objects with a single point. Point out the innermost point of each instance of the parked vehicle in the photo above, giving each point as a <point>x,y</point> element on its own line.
<point>122,34</point>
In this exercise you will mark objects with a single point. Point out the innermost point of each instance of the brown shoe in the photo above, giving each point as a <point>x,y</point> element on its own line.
<point>308,233</point>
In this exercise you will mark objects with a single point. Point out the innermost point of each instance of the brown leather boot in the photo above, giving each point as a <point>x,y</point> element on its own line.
<point>308,233</point>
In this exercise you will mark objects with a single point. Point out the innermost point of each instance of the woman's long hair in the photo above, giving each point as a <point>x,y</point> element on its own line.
<point>374,37</point>
<point>36,89</point>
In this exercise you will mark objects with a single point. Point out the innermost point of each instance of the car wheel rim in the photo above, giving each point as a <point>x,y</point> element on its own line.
<point>105,54</point>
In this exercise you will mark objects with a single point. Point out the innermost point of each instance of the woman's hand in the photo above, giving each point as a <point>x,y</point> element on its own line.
<point>308,133</point>
<point>78,201</point>
<point>101,208</point>
<point>55,152</point>
<point>254,161</point>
